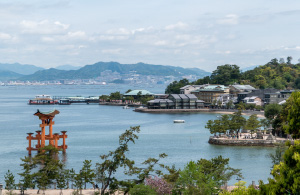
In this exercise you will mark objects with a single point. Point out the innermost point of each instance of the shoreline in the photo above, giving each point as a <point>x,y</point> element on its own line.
<point>247,142</point>
<point>203,110</point>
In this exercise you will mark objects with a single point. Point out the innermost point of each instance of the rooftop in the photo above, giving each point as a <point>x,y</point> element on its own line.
<point>243,87</point>
<point>135,92</point>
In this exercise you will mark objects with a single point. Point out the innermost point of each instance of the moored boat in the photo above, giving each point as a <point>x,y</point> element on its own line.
<point>42,100</point>
<point>179,121</point>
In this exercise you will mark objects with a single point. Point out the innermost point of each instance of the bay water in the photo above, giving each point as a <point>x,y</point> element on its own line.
<point>94,130</point>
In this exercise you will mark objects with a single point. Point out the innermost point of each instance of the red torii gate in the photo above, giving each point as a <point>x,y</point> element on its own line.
<point>41,137</point>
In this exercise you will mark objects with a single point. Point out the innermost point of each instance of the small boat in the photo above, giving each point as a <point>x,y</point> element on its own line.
<point>126,107</point>
<point>178,121</point>
<point>64,102</point>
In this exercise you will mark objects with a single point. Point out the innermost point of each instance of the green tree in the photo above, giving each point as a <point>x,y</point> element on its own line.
<point>142,189</point>
<point>226,74</point>
<point>79,181</point>
<point>116,96</point>
<point>26,180</point>
<point>289,60</point>
<point>87,173</point>
<point>229,104</point>
<point>277,157</point>
<point>9,179</point>
<point>241,106</point>
<point>61,181</point>
<point>291,123</point>
<point>203,81</point>
<point>237,122</point>
<point>104,97</point>
<point>112,161</point>
<point>286,177</point>
<point>72,176</point>
<point>43,168</point>
<point>174,87</point>
<point>272,111</point>
<point>253,123</point>
<point>205,176</point>
<point>129,90</point>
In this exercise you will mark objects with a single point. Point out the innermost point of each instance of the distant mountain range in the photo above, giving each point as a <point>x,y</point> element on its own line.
<point>8,75</point>
<point>93,71</point>
<point>24,69</point>
<point>68,67</point>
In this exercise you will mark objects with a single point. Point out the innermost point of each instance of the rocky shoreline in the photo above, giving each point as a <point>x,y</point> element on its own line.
<point>246,142</point>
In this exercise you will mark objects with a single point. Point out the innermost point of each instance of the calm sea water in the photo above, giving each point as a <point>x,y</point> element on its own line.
<point>94,130</point>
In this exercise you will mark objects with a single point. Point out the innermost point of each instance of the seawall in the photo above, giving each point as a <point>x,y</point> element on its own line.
<point>242,142</point>
<point>204,110</point>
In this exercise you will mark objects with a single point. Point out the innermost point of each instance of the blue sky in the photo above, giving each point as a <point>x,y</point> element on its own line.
<point>187,33</point>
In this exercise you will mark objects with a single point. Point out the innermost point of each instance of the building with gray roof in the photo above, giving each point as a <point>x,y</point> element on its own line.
<point>176,101</point>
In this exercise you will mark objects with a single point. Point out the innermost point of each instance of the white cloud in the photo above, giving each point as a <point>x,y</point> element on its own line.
<point>161,43</point>
<point>111,51</point>
<point>120,31</point>
<point>177,26</point>
<point>224,52</point>
<point>230,19</point>
<point>77,35</point>
<point>112,37</point>
<point>292,48</point>
<point>43,27</point>
<point>5,36</point>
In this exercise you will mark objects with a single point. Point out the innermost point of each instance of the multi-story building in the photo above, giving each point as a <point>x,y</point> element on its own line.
<point>253,100</point>
<point>257,92</point>
<point>189,88</point>
<point>277,97</point>
<point>210,93</point>
<point>176,101</point>
<point>236,89</point>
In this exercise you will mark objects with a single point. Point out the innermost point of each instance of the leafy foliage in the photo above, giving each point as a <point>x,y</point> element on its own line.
<point>286,174</point>
<point>174,88</point>
<point>291,115</point>
<point>226,74</point>
<point>43,169</point>
<point>232,123</point>
<point>87,172</point>
<point>274,74</point>
<point>205,176</point>
<point>112,161</point>
<point>142,189</point>
<point>9,179</point>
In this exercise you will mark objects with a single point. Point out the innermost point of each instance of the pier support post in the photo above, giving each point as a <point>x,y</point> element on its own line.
<point>29,137</point>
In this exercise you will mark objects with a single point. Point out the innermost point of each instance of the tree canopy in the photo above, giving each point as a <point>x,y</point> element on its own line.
<point>274,74</point>
<point>291,116</point>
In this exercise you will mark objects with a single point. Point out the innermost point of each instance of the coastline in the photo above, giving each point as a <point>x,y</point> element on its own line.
<point>203,110</point>
<point>247,142</point>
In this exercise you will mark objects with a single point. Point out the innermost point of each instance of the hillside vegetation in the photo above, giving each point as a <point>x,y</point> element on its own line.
<point>275,74</point>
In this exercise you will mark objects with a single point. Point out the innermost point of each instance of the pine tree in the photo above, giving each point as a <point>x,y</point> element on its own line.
<point>9,181</point>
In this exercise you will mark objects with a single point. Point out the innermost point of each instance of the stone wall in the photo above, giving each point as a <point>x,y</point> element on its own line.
<point>242,142</point>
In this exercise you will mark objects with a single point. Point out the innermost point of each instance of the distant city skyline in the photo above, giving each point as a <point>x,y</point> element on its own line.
<point>192,33</point>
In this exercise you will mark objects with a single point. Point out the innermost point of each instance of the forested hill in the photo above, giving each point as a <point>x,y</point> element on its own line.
<point>274,74</point>
<point>93,71</point>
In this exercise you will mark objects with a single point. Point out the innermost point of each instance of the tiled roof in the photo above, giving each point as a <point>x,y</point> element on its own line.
<point>135,92</point>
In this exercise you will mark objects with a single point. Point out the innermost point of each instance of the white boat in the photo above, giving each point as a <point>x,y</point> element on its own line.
<point>126,107</point>
<point>178,121</point>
